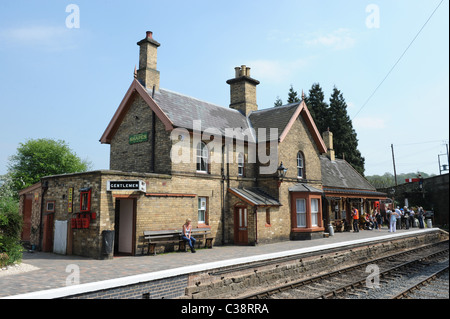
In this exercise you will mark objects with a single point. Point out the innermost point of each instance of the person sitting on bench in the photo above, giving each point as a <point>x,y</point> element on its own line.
<point>187,227</point>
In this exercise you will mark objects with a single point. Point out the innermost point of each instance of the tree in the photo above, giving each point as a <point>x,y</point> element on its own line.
<point>345,140</point>
<point>10,224</point>
<point>42,157</point>
<point>384,181</point>
<point>292,96</point>
<point>317,107</point>
<point>278,102</point>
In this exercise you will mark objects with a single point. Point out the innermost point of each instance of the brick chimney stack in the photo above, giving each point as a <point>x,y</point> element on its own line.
<point>243,91</point>
<point>328,139</point>
<point>147,74</point>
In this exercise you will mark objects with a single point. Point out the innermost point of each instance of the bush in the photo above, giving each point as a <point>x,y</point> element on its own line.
<point>10,231</point>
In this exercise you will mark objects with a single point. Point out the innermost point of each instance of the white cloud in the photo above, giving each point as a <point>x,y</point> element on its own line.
<point>41,37</point>
<point>274,71</point>
<point>339,39</point>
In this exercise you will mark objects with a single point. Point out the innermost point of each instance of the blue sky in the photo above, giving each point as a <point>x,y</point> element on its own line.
<point>66,83</point>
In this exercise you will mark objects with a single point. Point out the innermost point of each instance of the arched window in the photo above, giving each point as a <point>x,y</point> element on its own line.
<point>300,165</point>
<point>241,164</point>
<point>202,157</point>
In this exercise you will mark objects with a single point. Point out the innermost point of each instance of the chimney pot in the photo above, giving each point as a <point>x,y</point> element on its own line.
<point>237,71</point>
<point>243,70</point>
<point>149,34</point>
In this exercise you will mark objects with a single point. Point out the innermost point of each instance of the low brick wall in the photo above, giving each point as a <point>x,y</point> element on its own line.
<point>168,288</point>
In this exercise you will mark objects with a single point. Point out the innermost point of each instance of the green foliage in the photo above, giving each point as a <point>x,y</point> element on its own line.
<point>383,181</point>
<point>42,157</point>
<point>388,179</point>
<point>335,118</point>
<point>10,230</point>
<point>278,102</point>
<point>292,96</point>
<point>318,107</point>
<point>345,141</point>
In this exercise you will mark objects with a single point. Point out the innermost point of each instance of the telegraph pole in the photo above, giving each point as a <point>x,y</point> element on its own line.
<point>393,160</point>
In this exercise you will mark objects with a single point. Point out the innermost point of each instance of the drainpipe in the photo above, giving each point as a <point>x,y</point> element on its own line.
<point>44,187</point>
<point>256,225</point>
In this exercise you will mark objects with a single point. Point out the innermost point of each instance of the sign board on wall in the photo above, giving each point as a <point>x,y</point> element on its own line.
<point>138,138</point>
<point>70,200</point>
<point>134,185</point>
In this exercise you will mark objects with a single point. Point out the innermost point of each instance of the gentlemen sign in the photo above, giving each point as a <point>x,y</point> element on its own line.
<point>126,185</point>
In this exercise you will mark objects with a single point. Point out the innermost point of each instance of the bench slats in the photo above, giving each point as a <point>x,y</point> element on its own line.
<point>172,236</point>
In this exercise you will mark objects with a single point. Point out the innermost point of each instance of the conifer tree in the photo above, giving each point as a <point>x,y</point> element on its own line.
<point>318,107</point>
<point>278,102</point>
<point>292,96</point>
<point>345,140</point>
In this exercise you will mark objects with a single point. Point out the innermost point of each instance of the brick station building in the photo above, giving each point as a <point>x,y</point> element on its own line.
<point>174,157</point>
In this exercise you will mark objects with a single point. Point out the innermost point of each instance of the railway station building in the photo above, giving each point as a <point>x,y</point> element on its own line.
<point>249,175</point>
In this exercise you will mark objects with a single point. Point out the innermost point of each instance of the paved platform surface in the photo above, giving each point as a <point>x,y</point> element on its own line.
<point>53,269</point>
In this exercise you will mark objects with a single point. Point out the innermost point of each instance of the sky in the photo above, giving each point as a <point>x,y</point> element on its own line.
<point>65,66</point>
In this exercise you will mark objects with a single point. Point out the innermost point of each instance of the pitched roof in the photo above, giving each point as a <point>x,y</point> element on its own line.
<point>254,196</point>
<point>339,174</point>
<point>275,117</point>
<point>282,118</point>
<point>178,110</point>
<point>183,110</point>
<point>301,187</point>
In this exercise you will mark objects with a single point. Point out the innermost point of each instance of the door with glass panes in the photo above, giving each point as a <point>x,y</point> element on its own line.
<point>240,225</point>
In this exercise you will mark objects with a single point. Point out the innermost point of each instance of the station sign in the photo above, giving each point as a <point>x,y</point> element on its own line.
<point>132,185</point>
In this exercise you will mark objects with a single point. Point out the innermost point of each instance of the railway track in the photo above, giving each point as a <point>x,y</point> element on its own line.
<point>379,278</point>
<point>434,286</point>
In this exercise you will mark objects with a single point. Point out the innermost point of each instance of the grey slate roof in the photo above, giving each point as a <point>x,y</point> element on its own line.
<point>300,187</point>
<point>182,110</point>
<point>275,117</point>
<point>255,196</point>
<point>340,174</point>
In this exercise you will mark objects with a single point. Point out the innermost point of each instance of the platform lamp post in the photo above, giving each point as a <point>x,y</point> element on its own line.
<point>281,171</point>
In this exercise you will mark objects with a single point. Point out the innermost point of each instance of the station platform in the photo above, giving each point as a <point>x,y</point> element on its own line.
<point>51,272</point>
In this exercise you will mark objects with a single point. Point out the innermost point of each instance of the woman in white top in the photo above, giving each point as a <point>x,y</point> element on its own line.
<point>187,228</point>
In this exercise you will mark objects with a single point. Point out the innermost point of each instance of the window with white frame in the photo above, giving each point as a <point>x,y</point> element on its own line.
<point>202,210</point>
<point>314,212</point>
<point>202,157</point>
<point>301,212</point>
<point>300,165</point>
<point>241,164</point>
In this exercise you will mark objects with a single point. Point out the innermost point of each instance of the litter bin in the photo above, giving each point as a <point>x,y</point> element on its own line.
<point>330,229</point>
<point>429,224</point>
<point>107,244</point>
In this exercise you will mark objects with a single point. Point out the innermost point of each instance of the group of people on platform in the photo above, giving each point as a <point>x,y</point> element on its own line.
<point>396,219</point>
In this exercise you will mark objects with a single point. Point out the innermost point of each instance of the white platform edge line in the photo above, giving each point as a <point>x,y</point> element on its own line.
<point>135,279</point>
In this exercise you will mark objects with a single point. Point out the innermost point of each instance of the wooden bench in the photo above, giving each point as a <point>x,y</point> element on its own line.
<point>342,225</point>
<point>155,237</point>
<point>203,234</point>
<point>339,225</point>
<point>160,237</point>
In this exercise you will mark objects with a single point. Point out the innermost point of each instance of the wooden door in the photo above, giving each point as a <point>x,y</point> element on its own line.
<point>47,244</point>
<point>27,207</point>
<point>240,226</point>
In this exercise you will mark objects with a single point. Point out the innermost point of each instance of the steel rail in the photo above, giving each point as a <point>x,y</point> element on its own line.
<point>303,282</point>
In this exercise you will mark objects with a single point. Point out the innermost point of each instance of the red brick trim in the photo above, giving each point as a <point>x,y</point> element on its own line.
<point>302,109</point>
<point>169,195</point>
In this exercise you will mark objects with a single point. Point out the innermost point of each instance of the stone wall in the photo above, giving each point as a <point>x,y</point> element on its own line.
<point>236,282</point>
